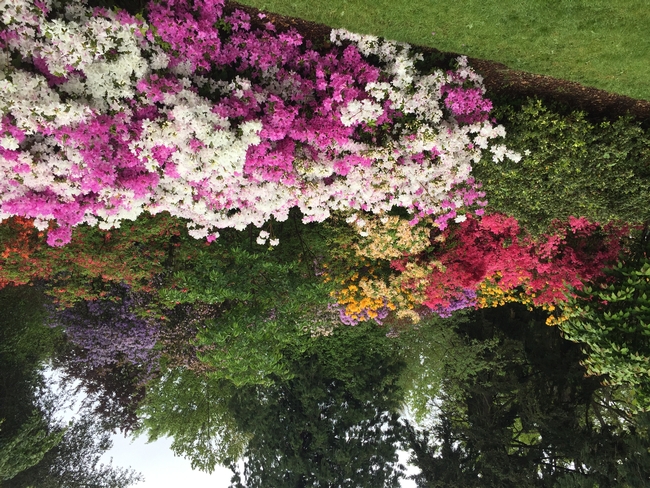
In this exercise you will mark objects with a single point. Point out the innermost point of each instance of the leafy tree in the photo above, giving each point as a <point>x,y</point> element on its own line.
<point>35,450</point>
<point>27,447</point>
<point>25,436</point>
<point>530,418</point>
<point>612,323</point>
<point>193,410</point>
<point>427,350</point>
<point>113,392</point>
<point>333,424</point>
<point>267,299</point>
<point>74,462</point>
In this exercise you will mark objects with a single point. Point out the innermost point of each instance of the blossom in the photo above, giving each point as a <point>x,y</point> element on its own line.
<point>139,130</point>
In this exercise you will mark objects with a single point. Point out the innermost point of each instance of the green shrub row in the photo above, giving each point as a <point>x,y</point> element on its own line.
<point>571,166</point>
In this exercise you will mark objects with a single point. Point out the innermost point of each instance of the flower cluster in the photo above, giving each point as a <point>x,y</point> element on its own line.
<point>106,116</point>
<point>493,257</point>
<point>109,331</point>
<point>262,238</point>
<point>477,262</point>
<point>355,306</point>
<point>389,237</point>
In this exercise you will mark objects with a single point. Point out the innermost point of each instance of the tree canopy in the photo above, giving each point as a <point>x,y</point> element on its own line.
<point>529,418</point>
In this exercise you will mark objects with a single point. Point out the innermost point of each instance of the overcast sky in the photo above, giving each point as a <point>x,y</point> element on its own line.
<point>161,469</point>
<point>159,466</point>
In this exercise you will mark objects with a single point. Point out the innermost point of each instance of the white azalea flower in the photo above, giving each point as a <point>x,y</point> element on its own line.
<point>460,218</point>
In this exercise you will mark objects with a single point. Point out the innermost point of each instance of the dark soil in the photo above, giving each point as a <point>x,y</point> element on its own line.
<point>500,81</point>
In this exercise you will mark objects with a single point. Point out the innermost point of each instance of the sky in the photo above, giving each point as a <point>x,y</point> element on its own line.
<point>159,466</point>
<point>161,469</point>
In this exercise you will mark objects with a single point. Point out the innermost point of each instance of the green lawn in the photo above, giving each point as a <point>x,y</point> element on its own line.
<point>600,43</point>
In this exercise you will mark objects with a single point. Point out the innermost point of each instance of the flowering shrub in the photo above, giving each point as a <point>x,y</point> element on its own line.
<point>350,271</point>
<point>105,116</point>
<point>477,262</point>
<point>109,331</point>
<point>356,305</point>
<point>389,237</point>
<point>494,248</point>
<point>133,255</point>
<point>18,265</point>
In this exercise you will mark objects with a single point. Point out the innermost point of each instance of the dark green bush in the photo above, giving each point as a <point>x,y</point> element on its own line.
<point>570,166</point>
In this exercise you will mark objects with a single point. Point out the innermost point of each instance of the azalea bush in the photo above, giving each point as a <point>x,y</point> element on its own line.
<point>109,331</point>
<point>495,248</point>
<point>106,116</point>
<point>136,255</point>
<point>475,262</point>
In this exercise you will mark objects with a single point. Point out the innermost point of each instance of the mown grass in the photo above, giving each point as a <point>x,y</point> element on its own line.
<point>599,43</point>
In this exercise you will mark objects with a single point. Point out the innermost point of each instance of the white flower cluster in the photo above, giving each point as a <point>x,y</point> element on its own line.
<point>360,111</point>
<point>32,102</point>
<point>22,18</point>
<point>107,80</point>
<point>103,49</point>
<point>264,236</point>
<point>414,93</point>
